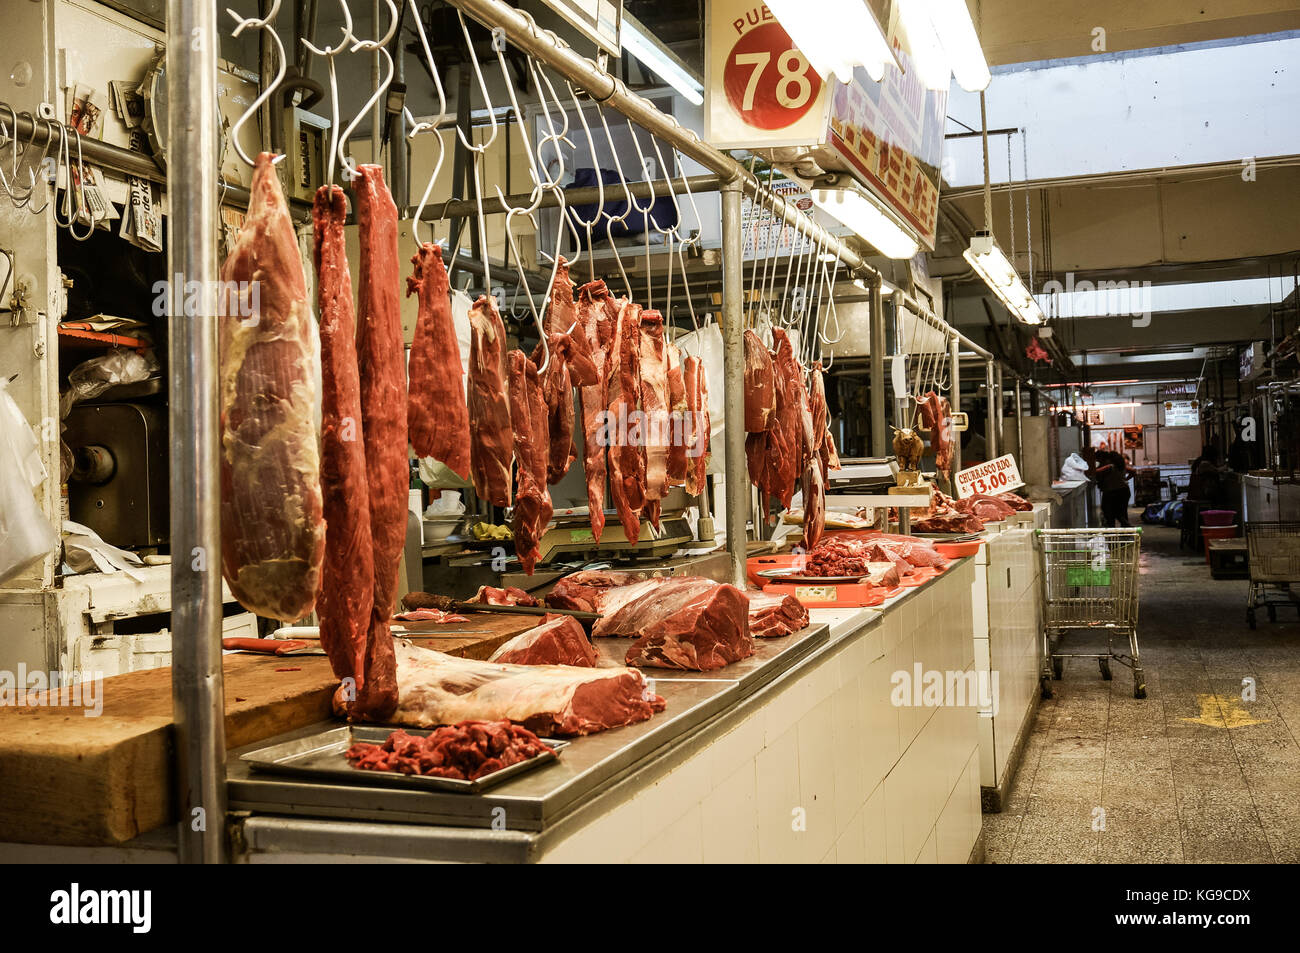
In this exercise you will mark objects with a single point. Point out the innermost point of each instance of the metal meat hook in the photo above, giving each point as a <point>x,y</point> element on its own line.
<point>266,25</point>
<point>379,45</point>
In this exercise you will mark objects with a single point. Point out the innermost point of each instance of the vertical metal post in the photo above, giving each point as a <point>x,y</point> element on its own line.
<point>733,381</point>
<point>990,422</point>
<point>198,699</point>
<point>879,443</point>
<point>954,397</point>
<point>1020,427</point>
<point>376,71</point>
<point>997,379</point>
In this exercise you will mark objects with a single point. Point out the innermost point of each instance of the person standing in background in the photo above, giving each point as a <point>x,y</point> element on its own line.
<point>1111,472</point>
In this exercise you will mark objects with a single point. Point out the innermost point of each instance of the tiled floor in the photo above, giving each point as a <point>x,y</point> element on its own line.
<point>1194,773</point>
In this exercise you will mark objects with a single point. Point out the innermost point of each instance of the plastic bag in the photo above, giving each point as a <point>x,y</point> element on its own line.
<point>118,365</point>
<point>1074,468</point>
<point>25,535</point>
<point>84,550</point>
<point>447,505</point>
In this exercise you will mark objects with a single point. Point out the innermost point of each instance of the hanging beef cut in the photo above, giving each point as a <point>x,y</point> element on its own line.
<point>775,456</point>
<point>437,419</point>
<point>678,435</point>
<point>492,442</point>
<point>760,384</point>
<point>436,689</point>
<point>272,531</point>
<point>528,420</point>
<point>627,463</point>
<point>697,410</point>
<point>562,320</point>
<point>381,355</point>
<point>597,324</point>
<point>347,576</point>
<point>653,358</point>
<point>936,417</point>
<point>557,390</point>
<point>559,640</point>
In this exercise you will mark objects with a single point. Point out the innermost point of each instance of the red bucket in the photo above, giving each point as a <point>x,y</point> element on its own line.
<point>1216,532</point>
<point>1218,518</point>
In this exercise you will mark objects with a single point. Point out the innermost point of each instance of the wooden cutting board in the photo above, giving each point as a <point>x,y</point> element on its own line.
<point>66,778</point>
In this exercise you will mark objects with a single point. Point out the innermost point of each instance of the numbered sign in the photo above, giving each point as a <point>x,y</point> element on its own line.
<point>995,476</point>
<point>762,90</point>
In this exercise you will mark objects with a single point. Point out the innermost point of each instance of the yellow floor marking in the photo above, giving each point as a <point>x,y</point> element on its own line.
<point>1223,711</point>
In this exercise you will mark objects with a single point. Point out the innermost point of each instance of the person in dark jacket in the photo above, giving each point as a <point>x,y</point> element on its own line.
<point>1111,473</point>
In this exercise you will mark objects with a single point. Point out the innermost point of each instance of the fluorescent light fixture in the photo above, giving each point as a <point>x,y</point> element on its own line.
<point>835,36</point>
<point>867,216</point>
<point>663,62</point>
<point>1000,275</point>
<point>951,19</point>
<point>928,55</point>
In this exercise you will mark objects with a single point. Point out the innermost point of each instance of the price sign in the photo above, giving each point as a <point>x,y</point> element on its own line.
<point>767,81</point>
<point>761,89</point>
<point>995,476</point>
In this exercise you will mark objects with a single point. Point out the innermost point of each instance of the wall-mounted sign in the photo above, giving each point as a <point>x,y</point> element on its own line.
<point>1182,413</point>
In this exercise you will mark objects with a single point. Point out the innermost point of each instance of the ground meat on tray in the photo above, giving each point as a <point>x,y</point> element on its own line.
<point>466,751</point>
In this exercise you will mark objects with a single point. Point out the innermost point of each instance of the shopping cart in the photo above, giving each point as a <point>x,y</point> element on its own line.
<point>1090,581</point>
<point>1273,550</point>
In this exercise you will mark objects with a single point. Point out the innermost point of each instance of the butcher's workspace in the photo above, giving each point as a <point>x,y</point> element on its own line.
<point>650,431</point>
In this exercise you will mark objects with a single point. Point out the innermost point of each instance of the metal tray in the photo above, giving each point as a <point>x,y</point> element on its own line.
<point>794,575</point>
<point>321,756</point>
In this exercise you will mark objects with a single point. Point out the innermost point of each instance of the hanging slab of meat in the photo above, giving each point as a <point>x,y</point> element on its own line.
<point>574,346</point>
<point>814,473</point>
<point>492,442</point>
<point>679,438</point>
<point>597,327</point>
<point>760,384</point>
<point>437,689</point>
<point>347,576</point>
<point>272,531</point>
<point>936,417</point>
<point>466,752</point>
<point>654,404</point>
<point>528,420</point>
<point>773,616</point>
<point>780,461</point>
<point>627,462</point>
<point>557,389</point>
<point>381,354</point>
<point>437,419</point>
<point>697,416</point>
<point>559,640</point>
<point>686,622</point>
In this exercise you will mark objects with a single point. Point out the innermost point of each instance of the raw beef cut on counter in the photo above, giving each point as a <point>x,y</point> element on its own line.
<point>347,576</point>
<point>528,419</point>
<point>990,509</point>
<point>627,461</point>
<point>582,590</point>
<point>559,640</point>
<point>491,439</point>
<point>1015,501</point>
<point>438,689</point>
<point>953,522</point>
<point>683,622</point>
<point>760,384</point>
<point>436,616</point>
<point>437,419</point>
<point>772,616</point>
<point>272,526</point>
<point>597,327</point>
<point>465,752</point>
<point>509,596</point>
<point>381,355</point>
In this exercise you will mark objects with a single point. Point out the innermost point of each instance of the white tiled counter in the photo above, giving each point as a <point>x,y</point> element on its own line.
<point>1006,599</point>
<point>818,764</point>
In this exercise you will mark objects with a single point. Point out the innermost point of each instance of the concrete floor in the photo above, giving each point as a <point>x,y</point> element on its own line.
<point>1191,774</point>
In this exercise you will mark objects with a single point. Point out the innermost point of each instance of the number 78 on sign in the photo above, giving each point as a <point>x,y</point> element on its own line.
<point>767,80</point>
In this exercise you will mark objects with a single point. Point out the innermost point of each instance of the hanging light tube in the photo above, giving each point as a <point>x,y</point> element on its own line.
<point>868,217</point>
<point>835,36</point>
<point>635,39</point>
<point>1000,275</point>
<point>961,44</point>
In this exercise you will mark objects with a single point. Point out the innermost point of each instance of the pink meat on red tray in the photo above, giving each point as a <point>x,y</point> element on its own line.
<point>559,640</point>
<point>466,751</point>
<point>853,555</point>
<point>684,622</point>
<point>434,688</point>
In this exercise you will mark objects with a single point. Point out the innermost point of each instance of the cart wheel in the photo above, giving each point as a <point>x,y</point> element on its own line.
<point>1139,683</point>
<point>1272,613</point>
<point>1045,687</point>
<point>1104,665</point>
<point>1058,666</point>
<point>1250,618</point>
